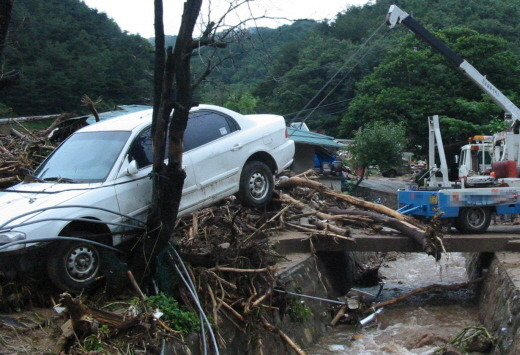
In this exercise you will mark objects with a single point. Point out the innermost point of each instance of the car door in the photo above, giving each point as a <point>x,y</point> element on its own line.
<point>134,192</point>
<point>213,141</point>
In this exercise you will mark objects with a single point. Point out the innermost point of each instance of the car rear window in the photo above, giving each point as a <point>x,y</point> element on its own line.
<point>206,126</point>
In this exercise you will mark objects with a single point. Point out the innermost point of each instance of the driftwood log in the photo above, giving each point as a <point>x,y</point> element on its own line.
<point>410,227</point>
<point>441,287</point>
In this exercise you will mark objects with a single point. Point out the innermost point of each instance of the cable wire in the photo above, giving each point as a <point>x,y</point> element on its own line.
<point>41,240</point>
<point>340,69</point>
<point>197,303</point>
<point>69,206</point>
<point>345,76</point>
<point>192,285</point>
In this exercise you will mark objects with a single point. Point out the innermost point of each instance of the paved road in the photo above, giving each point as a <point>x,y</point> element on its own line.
<point>498,230</point>
<point>387,185</point>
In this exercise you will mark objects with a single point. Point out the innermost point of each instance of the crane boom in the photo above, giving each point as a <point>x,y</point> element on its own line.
<point>396,15</point>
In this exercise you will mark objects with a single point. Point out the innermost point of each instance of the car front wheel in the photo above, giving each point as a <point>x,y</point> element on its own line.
<point>256,184</point>
<point>74,266</point>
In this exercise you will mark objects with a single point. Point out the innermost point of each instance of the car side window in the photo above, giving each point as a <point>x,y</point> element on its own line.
<point>142,150</point>
<point>206,126</point>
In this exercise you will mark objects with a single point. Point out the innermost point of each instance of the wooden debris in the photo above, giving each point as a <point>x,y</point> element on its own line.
<point>246,271</point>
<point>426,237</point>
<point>297,349</point>
<point>135,285</point>
<point>339,315</point>
<point>428,288</point>
<point>23,150</point>
<point>87,101</point>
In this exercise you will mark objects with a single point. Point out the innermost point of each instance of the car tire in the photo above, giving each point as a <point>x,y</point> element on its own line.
<point>74,266</point>
<point>256,184</point>
<point>473,220</point>
<point>392,173</point>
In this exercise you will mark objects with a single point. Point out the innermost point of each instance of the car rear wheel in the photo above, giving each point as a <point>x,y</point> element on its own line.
<point>392,173</point>
<point>256,184</point>
<point>74,266</point>
<point>473,220</point>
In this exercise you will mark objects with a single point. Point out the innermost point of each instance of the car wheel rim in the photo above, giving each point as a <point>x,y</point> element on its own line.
<point>82,263</point>
<point>258,185</point>
<point>476,217</point>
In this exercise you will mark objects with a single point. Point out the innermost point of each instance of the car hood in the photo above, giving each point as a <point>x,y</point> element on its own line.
<point>24,198</point>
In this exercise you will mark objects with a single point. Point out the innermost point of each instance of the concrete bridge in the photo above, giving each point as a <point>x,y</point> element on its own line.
<point>498,238</point>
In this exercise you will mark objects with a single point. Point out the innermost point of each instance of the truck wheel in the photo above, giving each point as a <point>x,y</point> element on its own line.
<point>74,266</point>
<point>392,173</point>
<point>256,184</point>
<point>473,220</point>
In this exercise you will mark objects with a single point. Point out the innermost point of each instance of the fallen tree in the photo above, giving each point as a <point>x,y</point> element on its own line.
<point>428,238</point>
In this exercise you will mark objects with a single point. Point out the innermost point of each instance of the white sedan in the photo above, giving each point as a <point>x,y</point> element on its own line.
<point>98,183</point>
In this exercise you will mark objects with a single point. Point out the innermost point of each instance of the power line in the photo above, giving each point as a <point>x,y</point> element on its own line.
<point>323,106</point>
<point>350,71</point>
<point>339,70</point>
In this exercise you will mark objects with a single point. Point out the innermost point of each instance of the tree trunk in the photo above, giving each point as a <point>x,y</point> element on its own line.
<point>10,77</point>
<point>6,7</point>
<point>361,177</point>
<point>175,94</point>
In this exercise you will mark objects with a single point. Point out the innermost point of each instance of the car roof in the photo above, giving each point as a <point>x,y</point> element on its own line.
<point>136,120</point>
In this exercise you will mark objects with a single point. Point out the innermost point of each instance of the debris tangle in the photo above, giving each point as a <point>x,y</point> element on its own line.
<point>232,267</point>
<point>23,150</point>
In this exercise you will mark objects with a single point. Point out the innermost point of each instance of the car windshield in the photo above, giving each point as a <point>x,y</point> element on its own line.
<point>84,157</point>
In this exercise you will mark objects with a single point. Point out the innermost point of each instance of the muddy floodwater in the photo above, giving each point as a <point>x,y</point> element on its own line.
<point>418,325</point>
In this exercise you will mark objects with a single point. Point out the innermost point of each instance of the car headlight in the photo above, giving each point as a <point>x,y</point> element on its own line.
<point>8,237</point>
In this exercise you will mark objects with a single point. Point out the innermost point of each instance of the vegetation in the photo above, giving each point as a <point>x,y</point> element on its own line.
<point>64,50</point>
<point>378,143</point>
<point>176,318</point>
<point>395,78</point>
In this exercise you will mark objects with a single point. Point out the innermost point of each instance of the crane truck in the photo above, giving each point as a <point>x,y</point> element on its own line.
<point>468,208</point>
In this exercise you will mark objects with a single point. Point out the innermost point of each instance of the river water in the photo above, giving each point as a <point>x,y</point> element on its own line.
<point>417,325</point>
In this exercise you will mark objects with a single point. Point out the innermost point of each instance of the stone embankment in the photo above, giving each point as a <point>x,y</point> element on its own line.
<point>300,272</point>
<point>499,298</point>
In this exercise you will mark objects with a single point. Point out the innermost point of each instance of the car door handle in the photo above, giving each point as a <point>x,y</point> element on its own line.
<point>237,146</point>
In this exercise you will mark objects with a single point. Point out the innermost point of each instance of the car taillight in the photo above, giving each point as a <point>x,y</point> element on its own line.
<point>286,133</point>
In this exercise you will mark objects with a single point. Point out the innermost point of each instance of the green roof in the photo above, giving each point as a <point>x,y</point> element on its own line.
<point>311,138</point>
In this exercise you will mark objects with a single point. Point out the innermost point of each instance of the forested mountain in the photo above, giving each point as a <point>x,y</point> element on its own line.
<point>394,77</point>
<point>64,50</point>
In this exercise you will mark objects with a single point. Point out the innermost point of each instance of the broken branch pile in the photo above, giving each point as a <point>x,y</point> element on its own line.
<point>304,205</point>
<point>232,264</point>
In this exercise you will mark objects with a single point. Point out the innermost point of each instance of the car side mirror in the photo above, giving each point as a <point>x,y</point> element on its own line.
<point>132,168</point>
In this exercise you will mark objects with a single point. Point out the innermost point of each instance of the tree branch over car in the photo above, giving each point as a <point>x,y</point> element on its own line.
<point>378,143</point>
<point>173,98</point>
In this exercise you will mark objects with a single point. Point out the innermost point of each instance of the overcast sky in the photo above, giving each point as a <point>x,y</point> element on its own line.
<point>136,16</point>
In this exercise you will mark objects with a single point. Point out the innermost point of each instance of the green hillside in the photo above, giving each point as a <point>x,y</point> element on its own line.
<point>395,77</point>
<point>64,50</point>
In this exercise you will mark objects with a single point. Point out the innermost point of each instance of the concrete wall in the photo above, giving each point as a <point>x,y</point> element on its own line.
<point>302,273</point>
<point>499,298</point>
